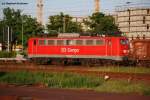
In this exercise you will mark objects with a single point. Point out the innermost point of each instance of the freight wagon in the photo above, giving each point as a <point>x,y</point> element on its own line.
<point>140,52</point>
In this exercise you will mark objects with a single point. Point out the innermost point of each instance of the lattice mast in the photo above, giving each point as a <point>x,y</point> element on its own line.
<point>97,6</point>
<point>40,11</point>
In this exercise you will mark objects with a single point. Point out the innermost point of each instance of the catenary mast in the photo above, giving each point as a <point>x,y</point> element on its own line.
<point>40,11</point>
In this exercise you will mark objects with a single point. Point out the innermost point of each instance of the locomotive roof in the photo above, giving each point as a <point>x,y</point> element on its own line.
<point>81,37</point>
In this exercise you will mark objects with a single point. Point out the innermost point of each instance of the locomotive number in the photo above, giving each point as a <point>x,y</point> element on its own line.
<point>69,50</point>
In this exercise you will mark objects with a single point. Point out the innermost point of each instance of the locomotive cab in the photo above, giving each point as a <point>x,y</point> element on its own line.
<point>124,45</point>
<point>124,48</point>
<point>32,45</point>
<point>117,48</point>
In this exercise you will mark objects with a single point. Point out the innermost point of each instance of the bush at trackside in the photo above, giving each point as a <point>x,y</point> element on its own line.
<point>5,54</point>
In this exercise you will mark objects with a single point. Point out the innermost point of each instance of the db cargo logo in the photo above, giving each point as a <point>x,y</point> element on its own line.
<point>69,50</point>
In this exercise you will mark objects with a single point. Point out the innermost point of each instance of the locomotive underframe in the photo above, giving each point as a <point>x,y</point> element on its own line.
<point>79,61</point>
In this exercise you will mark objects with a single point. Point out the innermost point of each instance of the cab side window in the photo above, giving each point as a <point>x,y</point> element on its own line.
<point>123,41</point>
<point>34,42</point>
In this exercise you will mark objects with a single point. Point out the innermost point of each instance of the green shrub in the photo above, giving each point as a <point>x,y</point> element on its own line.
<point>5,54</point>
<point>122,86</point>
<point>70,80</point>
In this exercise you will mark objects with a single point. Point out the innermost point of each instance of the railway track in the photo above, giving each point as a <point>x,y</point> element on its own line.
<point>76,69</point>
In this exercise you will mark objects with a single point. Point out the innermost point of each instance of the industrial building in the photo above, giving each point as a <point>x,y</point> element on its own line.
<point>134,21</point>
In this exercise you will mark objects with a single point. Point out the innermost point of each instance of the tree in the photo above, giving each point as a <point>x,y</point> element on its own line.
<point>101,24</point>
<point>30,28</point>
<point>63,23</point>
<point>19,25</point>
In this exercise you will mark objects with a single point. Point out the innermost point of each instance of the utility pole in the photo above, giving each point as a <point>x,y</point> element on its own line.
<point>3,34</point>
<point>22,35</point>
<point>64,24</point>
<point>8,40</point>
<point>11,35</point>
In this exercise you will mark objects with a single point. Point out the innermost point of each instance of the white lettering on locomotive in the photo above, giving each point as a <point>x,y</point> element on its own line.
<point>63,50</point>
<point>69,50</point>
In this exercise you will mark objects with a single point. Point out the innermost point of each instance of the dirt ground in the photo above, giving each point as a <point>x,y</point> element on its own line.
<point>36,93</point>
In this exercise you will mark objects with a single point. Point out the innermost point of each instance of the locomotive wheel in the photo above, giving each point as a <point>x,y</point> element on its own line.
<point>57,61</point>
<point>85,62</point>
<point>65,62</point>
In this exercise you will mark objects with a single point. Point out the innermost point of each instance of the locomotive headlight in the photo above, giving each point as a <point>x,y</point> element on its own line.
<point>125,51</point>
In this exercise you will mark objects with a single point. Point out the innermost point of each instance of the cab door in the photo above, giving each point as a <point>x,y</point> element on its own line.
<point>109,47</point>
<point>34,46</point>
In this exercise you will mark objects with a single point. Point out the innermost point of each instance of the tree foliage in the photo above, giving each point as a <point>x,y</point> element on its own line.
<point>18,24</point>
<point>101,24</point>
<point>63,23</point>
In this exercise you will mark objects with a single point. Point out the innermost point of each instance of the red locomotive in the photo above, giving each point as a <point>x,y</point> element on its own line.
<point>84,49</point>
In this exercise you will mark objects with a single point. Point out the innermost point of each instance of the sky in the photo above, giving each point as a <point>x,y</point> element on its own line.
<point>79,8</point>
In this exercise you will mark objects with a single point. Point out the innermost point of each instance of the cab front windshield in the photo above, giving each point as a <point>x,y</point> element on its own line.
<point>124,41</point>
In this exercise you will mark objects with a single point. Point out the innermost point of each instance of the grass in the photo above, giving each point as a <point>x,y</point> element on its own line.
<point>58,80</point>
<point>76,81</point>
<point>121,86</point>
<point>122,69</point>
